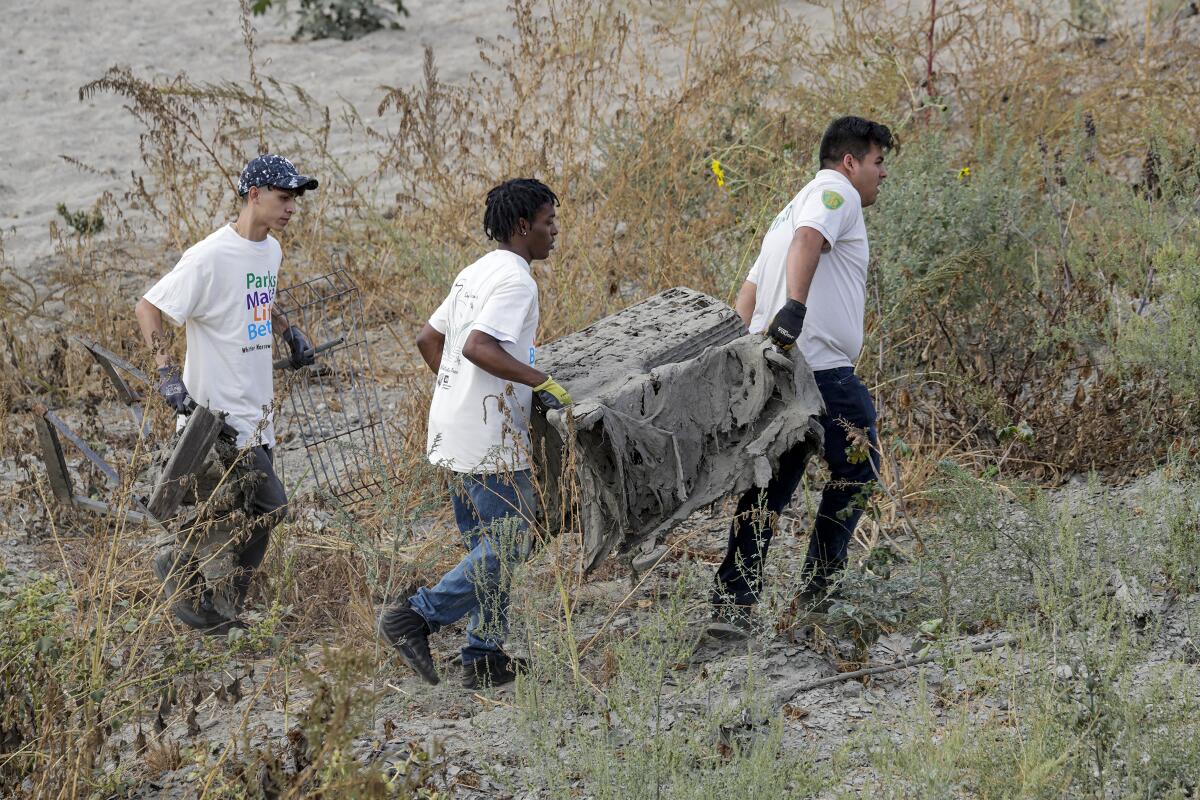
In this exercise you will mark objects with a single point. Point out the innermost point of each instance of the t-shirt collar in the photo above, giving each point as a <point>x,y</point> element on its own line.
<point>232,231</point>
<point>518,259</point>
<point>834,174</point>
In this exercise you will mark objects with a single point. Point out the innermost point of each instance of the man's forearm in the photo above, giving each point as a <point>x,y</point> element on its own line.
<point>431,354</point>
<point>486,353</point>
<point>430,344</point>
<point>746,299</point>
<point>150,322</point>
<point>804,253</point>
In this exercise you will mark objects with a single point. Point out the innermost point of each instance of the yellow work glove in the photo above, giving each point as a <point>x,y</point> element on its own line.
<point>552,394</point>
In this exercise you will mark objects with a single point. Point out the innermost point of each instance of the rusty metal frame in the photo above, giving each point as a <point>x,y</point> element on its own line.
<point>334,405</point>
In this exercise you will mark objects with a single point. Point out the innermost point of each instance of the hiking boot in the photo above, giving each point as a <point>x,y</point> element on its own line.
<point>492,670</point>
<point>813,602</point>
<point>196,612</point>
<point>731,621</point>
<point>229,594</point>
<point>408,632</point>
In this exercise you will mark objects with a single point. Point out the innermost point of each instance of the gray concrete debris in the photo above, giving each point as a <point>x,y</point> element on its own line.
<point>674,409</point>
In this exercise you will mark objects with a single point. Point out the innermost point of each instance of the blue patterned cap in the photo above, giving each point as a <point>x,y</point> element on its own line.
<point>273,170</point>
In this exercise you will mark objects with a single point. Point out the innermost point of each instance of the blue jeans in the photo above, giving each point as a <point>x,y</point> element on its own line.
<point>847,402</point>
<point>493,513</point>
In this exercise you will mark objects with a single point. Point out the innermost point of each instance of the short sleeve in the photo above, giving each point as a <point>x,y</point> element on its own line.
<point>755,273</point>
<point>504,312</point>
<point>179,293</point>
<point>440,319</point>
<point>828,211</point>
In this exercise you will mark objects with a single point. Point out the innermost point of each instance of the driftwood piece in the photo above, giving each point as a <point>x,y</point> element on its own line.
<point>110,362</point>
<point>904,663</point>
<point>48,427</point>
<point>113,365</point>
<point>52,455</point>
<point>90,454</point>
<point>197,439</point>
<point>100,507</point>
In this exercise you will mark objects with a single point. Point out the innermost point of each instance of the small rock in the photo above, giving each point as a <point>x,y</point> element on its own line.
<point>852,689</point>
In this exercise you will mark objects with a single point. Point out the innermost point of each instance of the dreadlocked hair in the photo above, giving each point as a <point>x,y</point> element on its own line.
<point>511,201</point>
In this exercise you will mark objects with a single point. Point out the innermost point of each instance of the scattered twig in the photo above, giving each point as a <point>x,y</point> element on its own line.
<point>902,664</point>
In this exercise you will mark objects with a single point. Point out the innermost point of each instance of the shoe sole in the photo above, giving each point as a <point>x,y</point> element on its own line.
<point>474,681</point>
<point>727,632</point>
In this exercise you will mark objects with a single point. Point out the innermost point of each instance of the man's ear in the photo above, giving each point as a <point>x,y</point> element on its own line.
<point>252,195</point>
<point>849,162</point>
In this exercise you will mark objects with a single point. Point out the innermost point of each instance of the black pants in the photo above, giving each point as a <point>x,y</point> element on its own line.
<point>847,402</point>
<point>270,506</point>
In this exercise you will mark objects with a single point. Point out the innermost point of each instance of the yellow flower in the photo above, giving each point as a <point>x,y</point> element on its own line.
<point>964,173</point>
<point>720,173</point>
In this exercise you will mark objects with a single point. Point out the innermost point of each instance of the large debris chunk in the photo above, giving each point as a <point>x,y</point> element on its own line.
<point>674,409</point>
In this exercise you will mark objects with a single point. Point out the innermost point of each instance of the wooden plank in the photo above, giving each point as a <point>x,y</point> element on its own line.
<point>112,365</point>
<point>110,362</point>
<point>55,461</point>
<point>88,452</point>
<point>100,507</point>
<point>197,439</point>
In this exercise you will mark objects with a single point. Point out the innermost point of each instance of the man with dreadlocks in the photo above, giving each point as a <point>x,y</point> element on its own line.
<point>479,343</point>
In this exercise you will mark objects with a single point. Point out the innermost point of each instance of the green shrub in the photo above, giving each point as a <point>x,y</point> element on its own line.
<point>340,19</point>
<point>84,223</point>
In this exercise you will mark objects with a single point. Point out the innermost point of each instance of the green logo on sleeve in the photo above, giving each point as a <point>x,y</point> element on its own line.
<point>832,199</point>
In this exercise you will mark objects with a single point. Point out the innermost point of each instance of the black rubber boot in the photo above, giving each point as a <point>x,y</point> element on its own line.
<point>492,670</point>
<point>408,632</point>
<point>190,606</point>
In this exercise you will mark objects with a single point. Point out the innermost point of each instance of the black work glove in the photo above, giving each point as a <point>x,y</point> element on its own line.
<point>785,328</point>
<point>302,351</point>
<point>172,389</point>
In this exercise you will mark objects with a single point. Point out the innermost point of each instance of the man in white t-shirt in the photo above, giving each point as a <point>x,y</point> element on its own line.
<point>222,292</point>
<point>480,344</point>
<point>808,287</point>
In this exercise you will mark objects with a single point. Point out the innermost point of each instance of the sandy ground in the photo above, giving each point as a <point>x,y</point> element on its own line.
<point>52,47</point>
<point>61,45</point>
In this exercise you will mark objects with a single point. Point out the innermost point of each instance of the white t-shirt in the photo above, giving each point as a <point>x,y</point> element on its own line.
<point>222,290</point>
<point>833,323</point>
<point>468,430</point>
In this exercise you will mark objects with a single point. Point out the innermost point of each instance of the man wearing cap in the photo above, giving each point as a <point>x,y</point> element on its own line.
<point>222,291</point>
